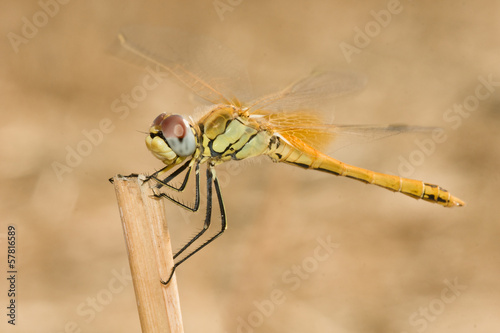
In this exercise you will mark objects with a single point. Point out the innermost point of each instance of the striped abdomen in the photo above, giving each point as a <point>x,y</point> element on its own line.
<point>309,158</point>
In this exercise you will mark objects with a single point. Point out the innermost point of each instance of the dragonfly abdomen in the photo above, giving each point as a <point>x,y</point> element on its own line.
<point>309,158</point>
<point>410,187</point>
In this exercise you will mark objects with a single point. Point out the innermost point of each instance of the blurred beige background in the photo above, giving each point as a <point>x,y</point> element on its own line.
<point>399,265</point>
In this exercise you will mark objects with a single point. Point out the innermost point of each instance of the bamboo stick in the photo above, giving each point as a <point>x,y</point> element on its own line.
<point>150,255</point>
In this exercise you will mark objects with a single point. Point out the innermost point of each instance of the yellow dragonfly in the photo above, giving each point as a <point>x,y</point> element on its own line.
<point>282,126</point>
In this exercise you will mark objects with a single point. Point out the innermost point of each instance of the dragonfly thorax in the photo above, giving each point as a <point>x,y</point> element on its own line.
<point>230,133</point>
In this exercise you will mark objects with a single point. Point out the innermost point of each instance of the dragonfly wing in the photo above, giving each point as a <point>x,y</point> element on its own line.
<point>347,135</point>
<point>309,128</point>
<point>208,69</point>
<point>316,90</point>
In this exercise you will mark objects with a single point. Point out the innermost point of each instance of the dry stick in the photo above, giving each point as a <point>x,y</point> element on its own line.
<point>150,255</point>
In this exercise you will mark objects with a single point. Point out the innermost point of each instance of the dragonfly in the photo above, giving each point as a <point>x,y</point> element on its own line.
<point>283,125</point>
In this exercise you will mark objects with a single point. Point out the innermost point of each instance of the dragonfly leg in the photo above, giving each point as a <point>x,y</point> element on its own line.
<point>196,204</point>
<point>166,181</point>
<point>211,178</point>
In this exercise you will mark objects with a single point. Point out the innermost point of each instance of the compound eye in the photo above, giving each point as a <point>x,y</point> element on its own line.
<point>159,119</point>
<point>178,134</point>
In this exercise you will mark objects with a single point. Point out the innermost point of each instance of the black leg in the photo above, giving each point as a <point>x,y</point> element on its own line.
<point>165,182</point>
<point>196,205</point>
<point>208,216</point>
<point>211,177</point>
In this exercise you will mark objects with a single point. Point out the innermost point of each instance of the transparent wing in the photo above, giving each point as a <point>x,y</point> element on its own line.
<point>346,135</point>
<point>310,129</point>
<point>318,89</point>
<point>214,73</point>
<point>208,69</point>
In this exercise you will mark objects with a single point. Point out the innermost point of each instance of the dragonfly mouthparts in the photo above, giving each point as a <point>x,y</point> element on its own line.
<point>157,134</point>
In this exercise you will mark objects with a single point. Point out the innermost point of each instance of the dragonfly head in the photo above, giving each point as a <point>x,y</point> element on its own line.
<point>171,138</point>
